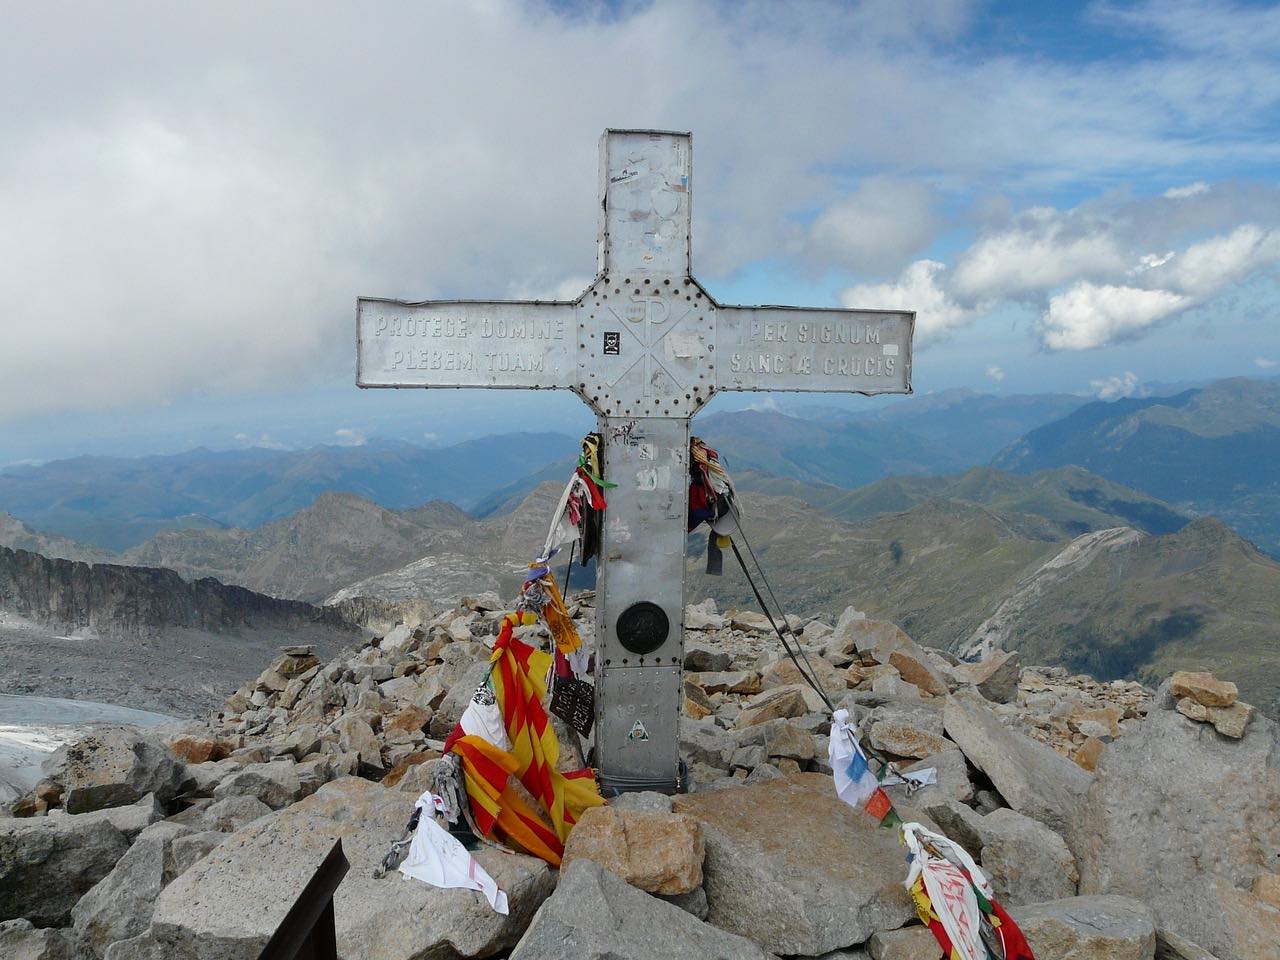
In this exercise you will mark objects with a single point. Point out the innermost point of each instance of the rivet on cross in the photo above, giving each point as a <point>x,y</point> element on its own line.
<point>646,347</point>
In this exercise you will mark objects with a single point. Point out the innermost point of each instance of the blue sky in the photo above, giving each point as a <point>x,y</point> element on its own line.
<point>1074,197</point>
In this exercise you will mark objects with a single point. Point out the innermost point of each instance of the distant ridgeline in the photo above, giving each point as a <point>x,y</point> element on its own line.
<point>139,601</point>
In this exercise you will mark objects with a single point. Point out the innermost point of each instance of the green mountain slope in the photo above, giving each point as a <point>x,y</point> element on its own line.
<point>1213,450</point>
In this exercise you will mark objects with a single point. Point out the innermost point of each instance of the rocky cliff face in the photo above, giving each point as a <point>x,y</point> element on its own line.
<point>137,601</point>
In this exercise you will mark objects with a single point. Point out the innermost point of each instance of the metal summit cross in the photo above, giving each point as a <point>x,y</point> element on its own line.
<point>645,346</point>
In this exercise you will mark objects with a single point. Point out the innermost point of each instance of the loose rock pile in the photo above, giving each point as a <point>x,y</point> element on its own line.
<point>1114,821</point>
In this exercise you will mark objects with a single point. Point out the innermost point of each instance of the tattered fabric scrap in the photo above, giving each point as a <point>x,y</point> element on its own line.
<point>439,859</point>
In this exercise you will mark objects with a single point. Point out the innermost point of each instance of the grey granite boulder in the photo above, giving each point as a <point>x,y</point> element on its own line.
<point>595,915</point>
<point>48,863</point>
<point>254,876</point>
<point>276,784</point>
<point>1187,820</point>
<point>119,905</point>
<point>22,940</point>
<point>1088,928</point>
<point>792,866</point>
<point>1033,779</point>
<point>117,766</point>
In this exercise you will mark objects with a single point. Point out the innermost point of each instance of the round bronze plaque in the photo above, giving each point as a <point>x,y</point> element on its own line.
<point>643,627</point>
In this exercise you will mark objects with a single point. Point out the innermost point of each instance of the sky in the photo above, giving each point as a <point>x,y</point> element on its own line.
<point>1074,197</point>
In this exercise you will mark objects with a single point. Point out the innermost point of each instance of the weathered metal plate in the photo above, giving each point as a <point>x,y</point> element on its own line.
<point>797,349</point>
<point>644,348</point>
<point>637,728</point>
<point>465,343</point>
<point>646,181</point>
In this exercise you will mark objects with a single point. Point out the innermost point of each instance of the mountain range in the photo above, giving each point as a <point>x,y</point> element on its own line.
<point>1213,450</point>
<point>1088,545</point>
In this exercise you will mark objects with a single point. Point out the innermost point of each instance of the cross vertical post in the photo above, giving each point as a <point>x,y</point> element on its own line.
<point>645,346</point>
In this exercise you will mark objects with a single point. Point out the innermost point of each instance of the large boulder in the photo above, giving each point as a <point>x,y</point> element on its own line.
<point>22,940</point>
<point>113,767</point>
<point>48,863</point>
<point>256,874</point>
<point>1186,820</point>
<point>595,915</point>
<point>1088,928</point>
<point>119,905</point>
<point>996,677</point>
<point>657,852</point>
<point>792,866</point>
<point>1033,779</point>
<point>275,784</point>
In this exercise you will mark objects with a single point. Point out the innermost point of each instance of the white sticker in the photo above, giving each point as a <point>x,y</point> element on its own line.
<point>645,451</point>
<point>638,732</point>
<point>647,479</point>
<point>889,350</point>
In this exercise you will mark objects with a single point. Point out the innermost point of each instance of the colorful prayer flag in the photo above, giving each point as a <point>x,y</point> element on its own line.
<point>855,783</point>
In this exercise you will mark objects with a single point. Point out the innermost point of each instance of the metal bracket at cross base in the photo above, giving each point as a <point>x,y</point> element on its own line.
<point>645,346</point>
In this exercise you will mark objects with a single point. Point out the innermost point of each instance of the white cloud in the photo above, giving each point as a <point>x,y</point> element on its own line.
<point>201,216</point>
<point>1088,315</point>
<point>1265,364</point>
<point>875,228</point>
<point>995,373</point>
<point>1190,190</point>
<point>1039,253</point>
<point>922,288</point>
<point>430,437</point>
<point>1113,388</point>
<point>1205,268</point>
<point>350,437</point>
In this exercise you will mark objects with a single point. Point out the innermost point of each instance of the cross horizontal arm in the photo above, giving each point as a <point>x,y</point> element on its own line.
<point>801,349</point>
<point>526,344</point>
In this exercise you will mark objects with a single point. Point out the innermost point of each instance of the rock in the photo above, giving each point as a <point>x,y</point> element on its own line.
<point>784,673</point>
<point>1193,709</point>
<point>130,820</point>
<point>792,866</point>
<point>909,943</point>
<point>22,940</point>
<point>455,701</point>
<point>780,738</point>
<point>48,863</point>
<point>1088,928</point>
<point>114,767</point>
<point>701,741</point>
<point>189,849</point>
<point>1027,862</point>
<point>255,875</point>
<point>119,905</point>
<point>276,784</point>
<point>953,779</point>
<point>356,736</point>
<point>1170,946</point>
<point>1203,688</point>
<point>1266,887</point>
<point>411,719</point>
<point>702,658</point>
<point>1186,820</point>
<point>657,852</point>
<point>907,729</point>
<point>750,622</point>
<point>996,677</point>
<point>732,681</point>
<point>696,702</point>
<point>595,915</point>
<point>914,667</point>
<point>397,774</point>
<point>642,800</point>
<point>1089,753</point>
<point>1231,721</point>
<point>198,749</point>
<point>694,902</point>
<point>696,618</point>
<point>783,703</point>
<point>235,811</point>
<point>1032,778</point>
